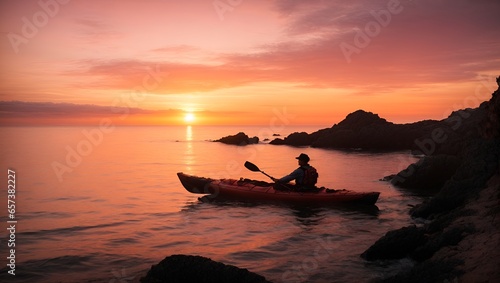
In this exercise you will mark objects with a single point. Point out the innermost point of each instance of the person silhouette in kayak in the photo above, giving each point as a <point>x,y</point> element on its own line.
<point>305,176</point>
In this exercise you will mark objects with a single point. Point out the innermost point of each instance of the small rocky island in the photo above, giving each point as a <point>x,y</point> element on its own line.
<point>238,139</point>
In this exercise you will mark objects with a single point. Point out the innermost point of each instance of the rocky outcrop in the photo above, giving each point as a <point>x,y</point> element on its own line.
<point>479,162</point>
<point>295,139</point>
<point>429,173</point>
<point>490,127</point>
<point>460,245</point>
<point>238,139</point>
<point>463,213</point>
<point>445,149</point>
<point>363,130</point>
<point>197,269</point>
<point>367,131</point>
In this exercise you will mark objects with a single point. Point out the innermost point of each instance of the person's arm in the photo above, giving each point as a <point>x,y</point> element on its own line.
<point>292,176</point>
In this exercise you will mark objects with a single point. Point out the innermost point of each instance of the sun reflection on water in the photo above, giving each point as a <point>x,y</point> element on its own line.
<point>189,133</point>
<point>189,154</point>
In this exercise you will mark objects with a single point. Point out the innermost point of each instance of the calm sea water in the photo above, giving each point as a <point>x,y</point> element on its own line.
<point>114,206</point>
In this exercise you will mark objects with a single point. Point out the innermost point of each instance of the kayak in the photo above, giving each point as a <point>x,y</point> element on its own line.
<point>251,190</point>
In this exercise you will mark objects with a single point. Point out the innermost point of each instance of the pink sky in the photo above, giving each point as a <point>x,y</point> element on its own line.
<point>240,65</point>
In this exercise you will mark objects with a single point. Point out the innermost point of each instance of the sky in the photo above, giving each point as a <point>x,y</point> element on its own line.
<point>242,62</point>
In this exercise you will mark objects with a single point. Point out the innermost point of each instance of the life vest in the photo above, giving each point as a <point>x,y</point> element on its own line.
<point>310,176</point>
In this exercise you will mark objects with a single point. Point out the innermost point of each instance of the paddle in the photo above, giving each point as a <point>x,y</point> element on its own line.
<point>252,167</point>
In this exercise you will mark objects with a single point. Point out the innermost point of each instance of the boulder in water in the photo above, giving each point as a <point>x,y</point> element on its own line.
<point>197,269</point>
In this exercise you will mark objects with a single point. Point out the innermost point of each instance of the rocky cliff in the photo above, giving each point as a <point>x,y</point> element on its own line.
<point>459,239</point>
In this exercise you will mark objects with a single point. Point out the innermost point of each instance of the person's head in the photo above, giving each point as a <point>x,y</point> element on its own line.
<point>303,159</point>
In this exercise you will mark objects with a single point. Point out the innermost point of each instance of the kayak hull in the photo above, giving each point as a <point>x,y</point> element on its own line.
<point>249,190</point>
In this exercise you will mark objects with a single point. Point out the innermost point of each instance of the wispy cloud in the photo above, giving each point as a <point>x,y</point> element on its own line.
<point>14,113</point>
<point>177,49</point>
<point>48,109</point>
<point>414,49</point>
<point>93,30</point>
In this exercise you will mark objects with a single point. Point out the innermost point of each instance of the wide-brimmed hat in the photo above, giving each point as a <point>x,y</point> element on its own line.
<point>304,157</point>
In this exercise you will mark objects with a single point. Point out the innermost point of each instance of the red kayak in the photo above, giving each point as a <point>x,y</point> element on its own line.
<point>251,190</point>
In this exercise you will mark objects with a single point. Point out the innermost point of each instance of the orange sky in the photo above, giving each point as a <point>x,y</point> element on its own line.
<point>150,62</point>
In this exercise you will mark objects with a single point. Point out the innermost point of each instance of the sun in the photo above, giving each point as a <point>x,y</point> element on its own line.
<point>189,118</point>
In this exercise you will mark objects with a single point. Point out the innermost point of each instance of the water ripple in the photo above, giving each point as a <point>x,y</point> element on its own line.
<point>71,229</point>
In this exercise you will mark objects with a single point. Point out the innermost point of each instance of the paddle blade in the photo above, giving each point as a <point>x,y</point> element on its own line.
<point>252,167</point>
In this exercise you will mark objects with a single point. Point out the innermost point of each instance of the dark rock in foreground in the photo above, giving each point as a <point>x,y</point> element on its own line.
<point>238,139</point>
<point>197,269</point>
<point>396,244</point>
<point>429,271</point>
